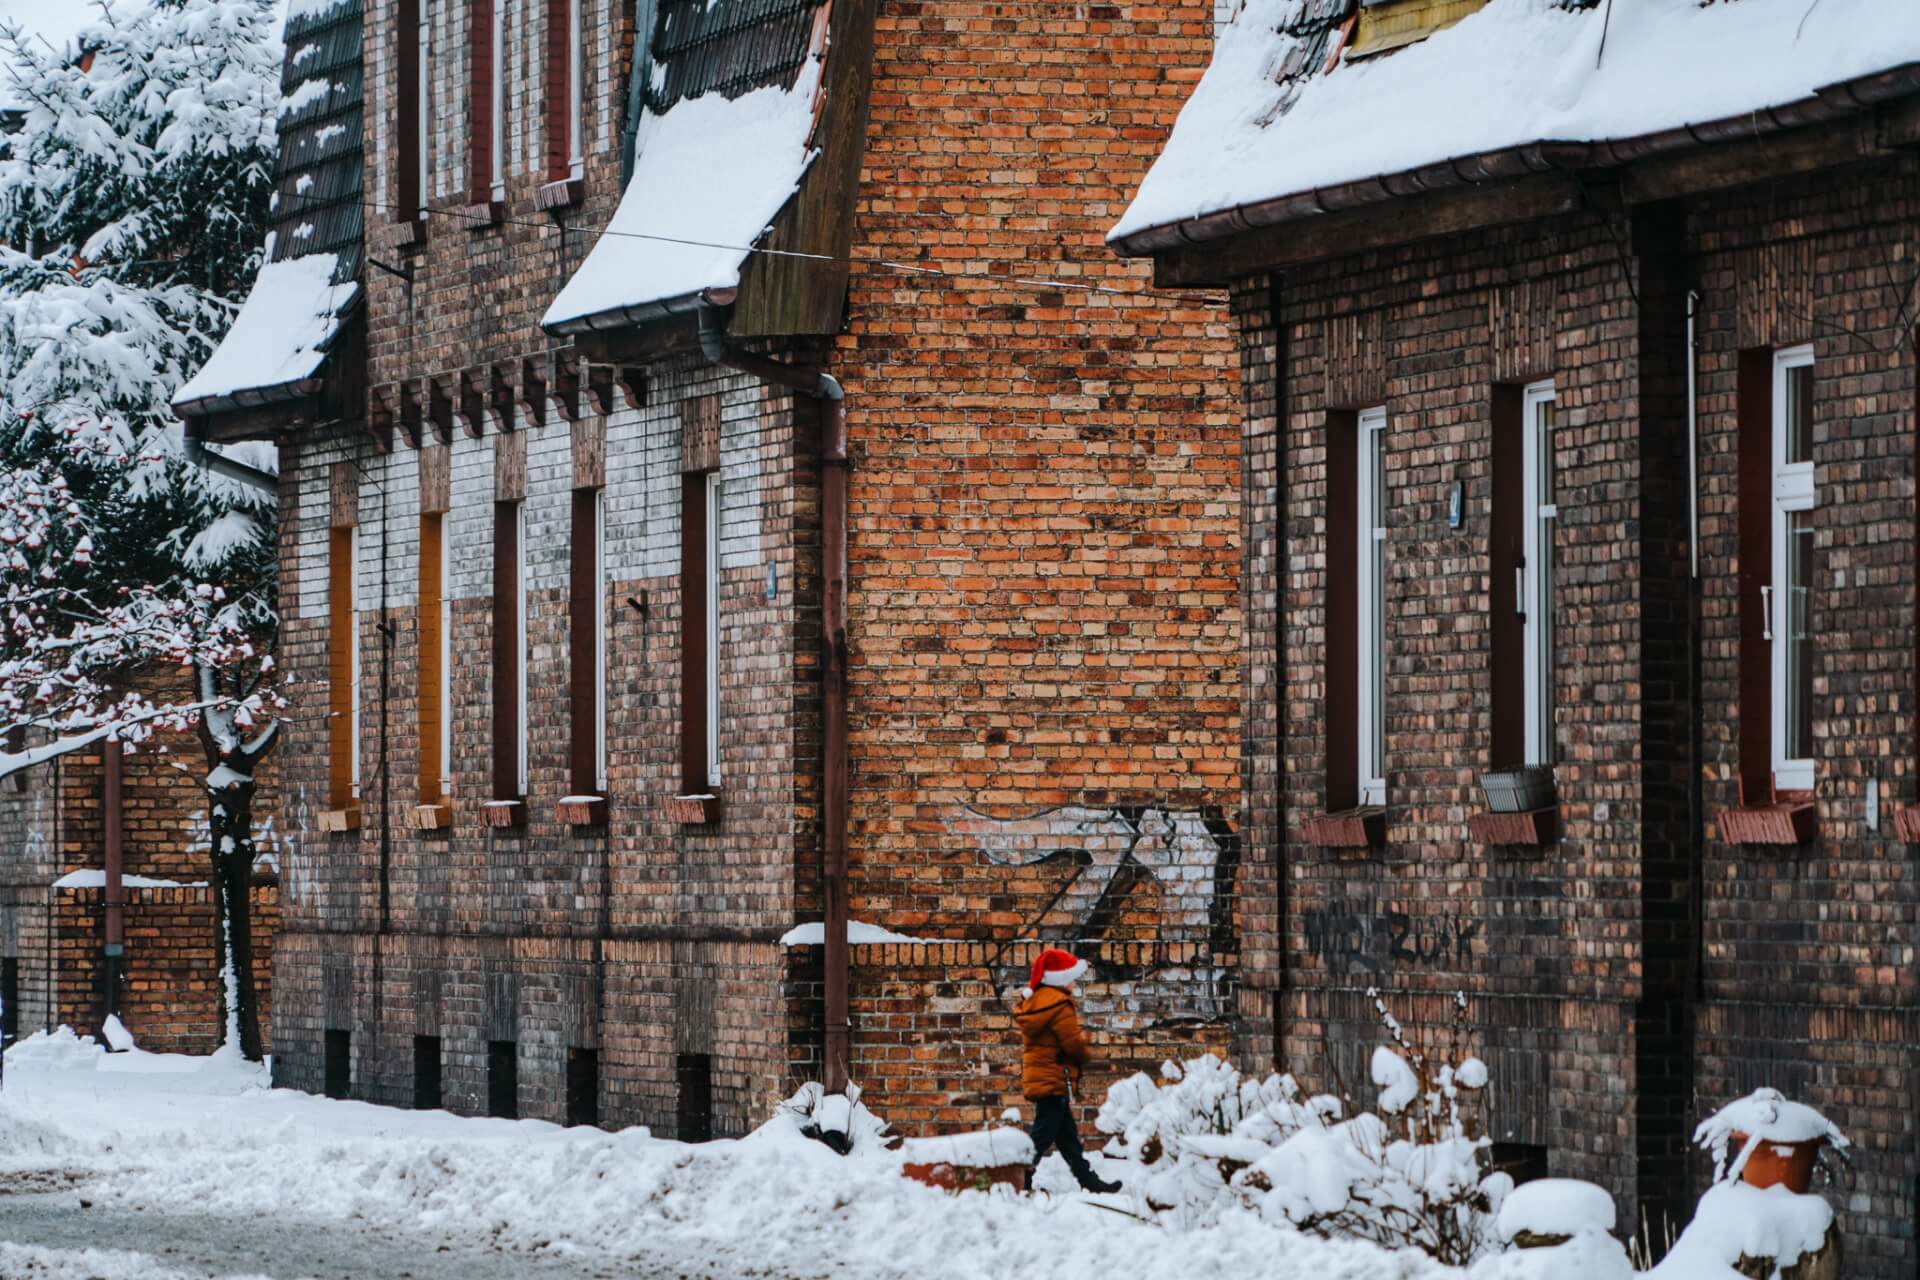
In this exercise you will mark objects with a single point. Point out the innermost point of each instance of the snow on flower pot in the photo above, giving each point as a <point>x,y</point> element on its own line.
<point>1765,1140</point>
<point>1548,1212</point>
<point>969,1161</point>
<point>1773,1164</point>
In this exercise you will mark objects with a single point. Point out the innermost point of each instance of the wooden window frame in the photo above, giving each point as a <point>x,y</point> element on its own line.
<point>1370,599</point>
<point>566,74</point>
<point>587,643</point>
<point>701,495</point>
<point>1791,492</point>
<point>343,669</point>
<point>1536,568</point>
<point>509,652</point>
<point>433,626</point>
<point>412,127</point>
<point>1342,600</point>
<point>486,125</point>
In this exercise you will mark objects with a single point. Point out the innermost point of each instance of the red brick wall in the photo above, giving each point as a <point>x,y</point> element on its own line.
<point>170,985</point>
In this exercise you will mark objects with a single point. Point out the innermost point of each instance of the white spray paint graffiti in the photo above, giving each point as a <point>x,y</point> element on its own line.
<point>1178,848</point>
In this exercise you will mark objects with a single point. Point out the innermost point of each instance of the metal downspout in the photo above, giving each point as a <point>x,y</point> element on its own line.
<point>113,893</point>
<point>825,388</point>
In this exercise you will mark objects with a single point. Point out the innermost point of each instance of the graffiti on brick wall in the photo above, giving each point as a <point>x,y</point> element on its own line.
<point>1367,938</point>
<point>1187,856</point>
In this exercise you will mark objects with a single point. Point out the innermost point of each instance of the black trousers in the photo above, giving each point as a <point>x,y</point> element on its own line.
<point>1053,1127</point>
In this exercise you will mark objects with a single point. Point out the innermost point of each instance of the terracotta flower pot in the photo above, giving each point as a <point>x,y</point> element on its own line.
<point>1788,1164</point>
<point>951,1177</point>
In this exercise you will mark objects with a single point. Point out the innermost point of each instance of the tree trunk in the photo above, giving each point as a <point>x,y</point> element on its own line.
<point>233,853</point>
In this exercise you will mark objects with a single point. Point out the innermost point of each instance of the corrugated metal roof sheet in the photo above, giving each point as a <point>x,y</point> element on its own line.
<point>729,47</point>
<point>318,175</point>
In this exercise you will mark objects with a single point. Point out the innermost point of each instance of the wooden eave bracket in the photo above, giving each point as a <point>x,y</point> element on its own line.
<point>440,406</point>
<point>382,409</point>
<point>582,811</point>
<point>632,381</point>
<point>505,814</point>
<point>533,390</point>
<point>693,811</point>
<point>566,382</point>
<point>500,396</point>
<point>430,817</point>
<point>1362,828</point>
<point>1533,829</point>
<point>600,388</point>
<point>411,414</point>
<point>473,400</point>
<point>406,234</point>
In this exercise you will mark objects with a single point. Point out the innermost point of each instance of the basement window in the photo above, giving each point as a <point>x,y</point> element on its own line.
<point>427,1092</point>
<point>503,1079</point>
<point>337,1075</point>
<point>583,1086</point>
<point>9,1000</point>
<point>694,1074</point>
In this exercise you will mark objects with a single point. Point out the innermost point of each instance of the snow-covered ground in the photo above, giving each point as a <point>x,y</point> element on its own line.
<point>138,1134</point>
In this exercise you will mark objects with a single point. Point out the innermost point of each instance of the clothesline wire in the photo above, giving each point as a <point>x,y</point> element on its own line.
<point>909,268</point>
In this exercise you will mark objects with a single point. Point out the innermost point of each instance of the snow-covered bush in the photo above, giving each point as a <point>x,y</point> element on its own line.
<point>1408,1173</point>
<point>839,1120</point>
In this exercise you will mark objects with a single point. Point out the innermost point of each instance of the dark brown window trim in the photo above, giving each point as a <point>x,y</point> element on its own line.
<point>694,730</point>
<point>343,806</point>
<point>407,126</point>
<point>1344,823</point>
<point>508,645</point>
<point>586,697</point>
<point>480,103</point>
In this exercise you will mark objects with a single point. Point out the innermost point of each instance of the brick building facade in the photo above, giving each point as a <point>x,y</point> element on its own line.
<point>1491,358</point>
<point>556,785</point>
<point>54,952</point>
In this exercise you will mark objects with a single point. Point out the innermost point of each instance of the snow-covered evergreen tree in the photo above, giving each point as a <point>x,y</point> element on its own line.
<point>135,180</point>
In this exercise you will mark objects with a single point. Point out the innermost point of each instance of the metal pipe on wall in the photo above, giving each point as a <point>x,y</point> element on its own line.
<point>822,386</point>
<point>112,803</point>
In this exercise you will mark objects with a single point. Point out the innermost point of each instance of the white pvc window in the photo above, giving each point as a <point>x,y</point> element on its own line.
<point>713,628</point>
<point>423,108</point>
<point>1789,595</point>
<point>576,91</point>
<point>600,640</point>
<point>499,141</point>
<point>1371,563</point>
<point>520,650</point>
<point>353,659</point>
<point>446,661</point>
<point>1536,570</point>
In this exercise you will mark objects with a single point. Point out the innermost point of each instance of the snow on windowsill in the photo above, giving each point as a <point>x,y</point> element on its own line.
<point>711,175</point>
<point>95,879</point>
<point>859,933</point>
<point>1515,72</point>
<point>292,312</point>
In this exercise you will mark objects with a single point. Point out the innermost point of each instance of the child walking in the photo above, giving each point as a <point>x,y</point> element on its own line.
<point>1054,1054</point>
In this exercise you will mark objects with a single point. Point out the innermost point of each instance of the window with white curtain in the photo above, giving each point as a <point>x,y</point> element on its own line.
<point>1791,590</point>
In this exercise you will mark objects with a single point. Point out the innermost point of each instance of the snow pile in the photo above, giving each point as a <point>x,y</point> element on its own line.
<point>61,1056</point>
<point>859,933</point>
<point>839,1121</point>
<point>1515,72</point>
<point>1556,1207</point>
<point>709,176</point>
<point>1765,1115</point>
<point>1735,1221</point>
<point>981,1149</point>
<point>282,332</point>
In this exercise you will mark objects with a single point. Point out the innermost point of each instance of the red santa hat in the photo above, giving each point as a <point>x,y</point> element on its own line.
<point>1054,968</point>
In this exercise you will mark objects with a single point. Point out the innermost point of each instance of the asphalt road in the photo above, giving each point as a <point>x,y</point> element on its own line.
<point>55,1212</point>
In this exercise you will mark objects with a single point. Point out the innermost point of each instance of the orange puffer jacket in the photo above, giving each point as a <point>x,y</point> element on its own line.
<point>1054,1044</point>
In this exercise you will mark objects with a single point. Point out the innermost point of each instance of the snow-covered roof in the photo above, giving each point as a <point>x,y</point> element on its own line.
<point>283,331</point>
<point>1281,113</point>
<point>308,288</point>
<point>723,123</point>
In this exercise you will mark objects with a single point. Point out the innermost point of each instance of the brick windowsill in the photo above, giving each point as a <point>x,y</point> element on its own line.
<point>483,216</point>
<point>1534,829</point>
<point>1362,828</point>
<point>582,811</point>
<point>1790,820</point>
<point>405,235</point>
<point>430,817</point>
<point>505,814</point>
<point>693,811</point>
<point>559,195</point>
<point>1906,825</point>
<point>347,819</point>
